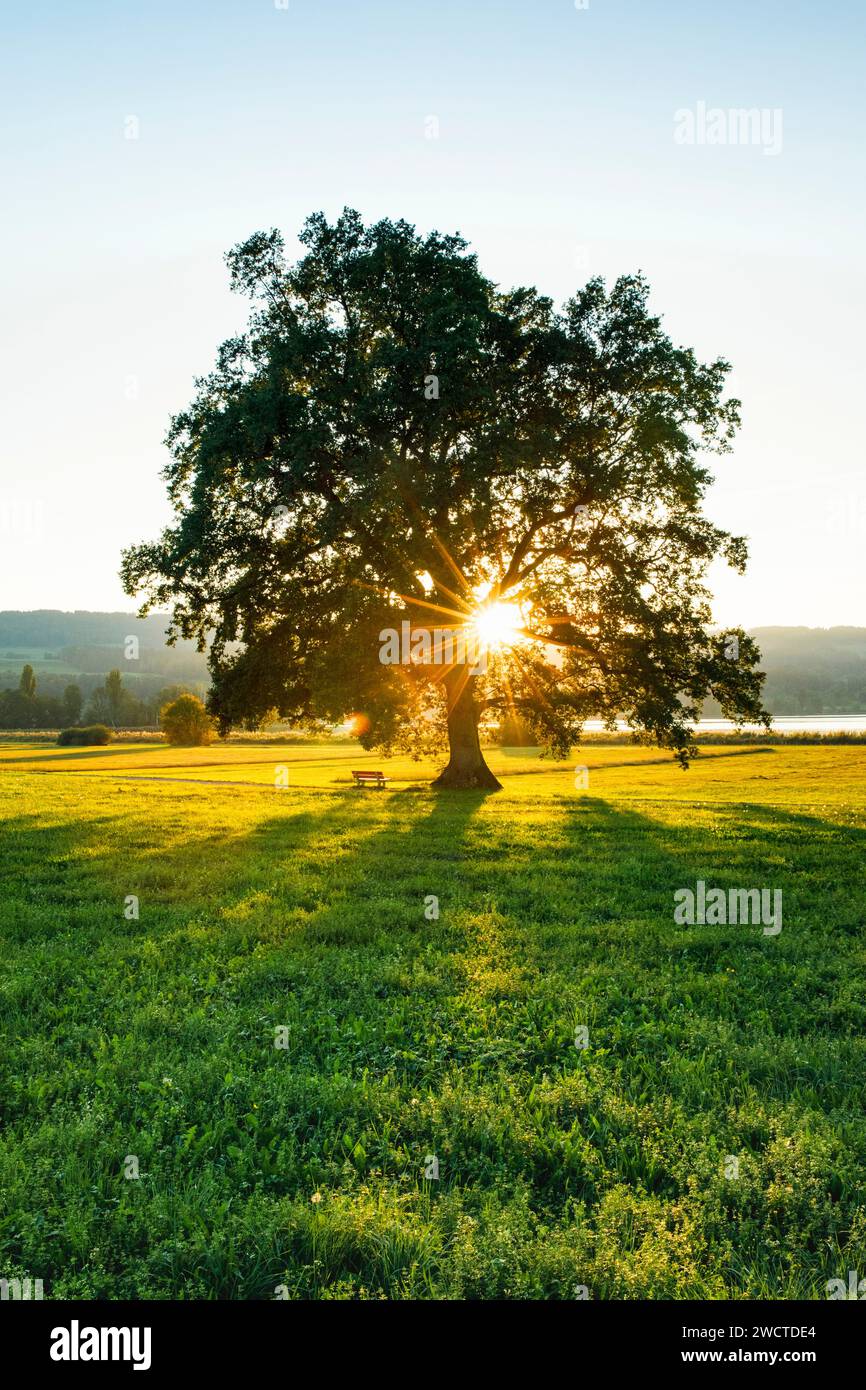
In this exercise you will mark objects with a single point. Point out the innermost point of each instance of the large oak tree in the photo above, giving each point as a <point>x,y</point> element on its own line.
<point>396,439</point>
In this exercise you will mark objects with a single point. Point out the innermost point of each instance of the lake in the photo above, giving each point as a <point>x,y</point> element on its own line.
<point>788,723</point>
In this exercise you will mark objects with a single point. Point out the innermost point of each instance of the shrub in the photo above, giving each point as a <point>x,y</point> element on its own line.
<point>187,721</point>
<point>92,734</point>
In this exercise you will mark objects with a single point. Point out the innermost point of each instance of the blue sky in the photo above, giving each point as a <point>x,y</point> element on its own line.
<point>554,154</point>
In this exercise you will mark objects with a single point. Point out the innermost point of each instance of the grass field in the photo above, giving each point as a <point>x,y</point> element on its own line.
<point>411,1037</point>
<point>44,664</point>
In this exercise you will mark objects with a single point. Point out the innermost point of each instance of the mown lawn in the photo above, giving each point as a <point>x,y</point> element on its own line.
<point>412,1037</point>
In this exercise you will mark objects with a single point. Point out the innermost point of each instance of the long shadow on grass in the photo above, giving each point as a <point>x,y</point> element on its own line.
<point>354,872</point>
<point>318,919</point>
<point>778,819</point>
<point>597,768</point>
<point>68,755</point>
<point>696,1011</point>
<point>774,1007</point>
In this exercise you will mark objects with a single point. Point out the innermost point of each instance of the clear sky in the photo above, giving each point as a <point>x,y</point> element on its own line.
<point>555,155</point>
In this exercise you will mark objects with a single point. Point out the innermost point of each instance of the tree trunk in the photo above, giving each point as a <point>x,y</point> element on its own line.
<point>466,766</point>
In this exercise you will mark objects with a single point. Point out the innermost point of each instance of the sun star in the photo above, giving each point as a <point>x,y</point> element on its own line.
<point>498,625</point>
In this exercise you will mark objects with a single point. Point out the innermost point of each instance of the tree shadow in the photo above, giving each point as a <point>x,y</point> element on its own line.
<point>800,821</point>
<point>668,760</point>
<point>548,917</point>
<point>629,866</point>
<point>75,754</point>
<point>353,843</point>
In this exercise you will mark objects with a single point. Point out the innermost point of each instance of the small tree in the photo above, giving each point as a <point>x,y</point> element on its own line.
<point>186,721</point>
<point>114,694</point>
<point>112,703</point>
<point>27,683</point>
<point>72,703</point>
<point>166,695</point>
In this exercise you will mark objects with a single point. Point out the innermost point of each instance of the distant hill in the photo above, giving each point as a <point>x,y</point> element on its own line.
<point>85,646</point>
<point>50,627</point>
<point>810,670</point>
<point>813,670</point>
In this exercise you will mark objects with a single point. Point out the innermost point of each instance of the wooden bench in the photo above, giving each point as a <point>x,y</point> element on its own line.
<point>376,778</point>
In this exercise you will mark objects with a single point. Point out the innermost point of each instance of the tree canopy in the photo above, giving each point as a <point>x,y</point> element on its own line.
<point>397,439</point>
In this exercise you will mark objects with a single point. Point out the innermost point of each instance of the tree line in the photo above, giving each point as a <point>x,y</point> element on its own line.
<point>111,703</point>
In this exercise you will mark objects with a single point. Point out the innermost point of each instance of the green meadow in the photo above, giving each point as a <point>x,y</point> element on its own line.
<point>292,1038</point>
